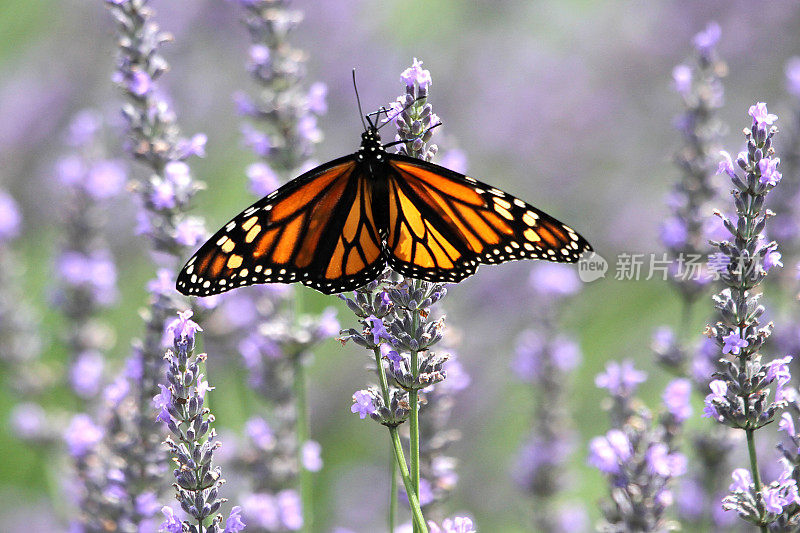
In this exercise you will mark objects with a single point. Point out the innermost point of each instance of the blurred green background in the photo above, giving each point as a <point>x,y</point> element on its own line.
<point>567,104</point>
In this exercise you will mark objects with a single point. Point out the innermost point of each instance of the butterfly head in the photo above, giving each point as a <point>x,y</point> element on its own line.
<point>371,149</point>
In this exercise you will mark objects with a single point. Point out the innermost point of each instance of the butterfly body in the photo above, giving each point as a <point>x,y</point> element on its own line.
<point>336,227</point>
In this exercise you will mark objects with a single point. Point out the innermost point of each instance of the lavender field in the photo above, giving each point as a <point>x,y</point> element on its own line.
<point>647,388</point>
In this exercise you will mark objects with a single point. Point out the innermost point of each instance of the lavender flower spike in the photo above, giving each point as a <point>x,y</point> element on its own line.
<point>639,458</point>
<point>740,396</point>
<point>192,440</point>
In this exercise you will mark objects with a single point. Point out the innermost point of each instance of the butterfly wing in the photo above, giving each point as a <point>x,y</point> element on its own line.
<point>443,224</point>
<point>317,229</point>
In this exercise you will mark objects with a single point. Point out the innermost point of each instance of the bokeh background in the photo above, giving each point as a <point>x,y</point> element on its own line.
<point>565,103</point>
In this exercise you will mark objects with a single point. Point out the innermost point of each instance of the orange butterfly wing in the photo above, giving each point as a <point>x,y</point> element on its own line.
<point>443,224</point>
<point>317,229</point>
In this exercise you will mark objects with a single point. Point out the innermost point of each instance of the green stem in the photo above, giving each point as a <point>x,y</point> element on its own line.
<point>413,500</point>
<point>751,449</point>
<point>393,496</point>
<point>400,460</point>
<point>302,430</point>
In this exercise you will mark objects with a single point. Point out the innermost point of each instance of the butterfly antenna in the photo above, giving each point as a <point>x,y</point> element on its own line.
<point>360,112</point>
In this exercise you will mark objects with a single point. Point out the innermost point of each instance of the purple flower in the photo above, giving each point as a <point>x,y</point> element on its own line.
<point>682,79</point>
<point>116,391</point>
<point>691,499</point>
<point>147,503</point>
<point>620,379</point>
<point>394,358</point>
<point>82,435</point>
<point>663,463</point>
<point>260,433</point>
<point>328,324</point>
<point>83,127</point>
<point>377,329</point>
<point>291,509</point>
<point>733,343</point>
<point>171,524</point>
<point>28,420</point>
<point>259,55</point>
<point>527,360</point>
<point>778,370</point>
<point>263,179</point>
<point>458,524</point>
<point>768,167</point>
<point>10,218</point>
<point>194,146</point>
<point>190,231</point>
<point>256,140</point>
<point>86,373</point>
<point>606,453</point>
<point>183,326</point>
<point>311,453</point>
<point>674,233</point>
<point>741,480</point>
<point>163,195</point>
<point>363,404</point>
<point>565,353</point>
<point>178,173</point>
<point>719,389</point>
<point>234,523</point>
<point>787,424</point>
<point>71,170</point>
<point>726,165</point>
<point>761,116</point>
<point>415,73</point>
<point>793,76</point>
<point>202,385</point>
<point>163,284</point>
<point>772,258</point>
<point>457,377</point>
<point>261,510</point>
<point>307,128</point>
<point>773,500</point>
<point>139,83</point>
<point>707,39</point>
<point>677,398</point>
<point>317,94</point>
<point>105,179</point>
<point>244,104</point>
<point>554,279</point>
<point>161,402</point>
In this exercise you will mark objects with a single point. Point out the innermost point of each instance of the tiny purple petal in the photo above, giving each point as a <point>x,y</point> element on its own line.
<point>10,219</point>
<point>726,165</point>
<point>760,114</point>
<point>682,79</point>
<point>263,180</point>
<point>733,343</point>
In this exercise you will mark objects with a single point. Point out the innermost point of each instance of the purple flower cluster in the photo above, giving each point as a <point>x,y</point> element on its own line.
<point>639,455</point>
<point>400,330</point>
<point>545,360</point>
<point>685,232</point>
<point>129,462</point>
<point>413,115</point>
<point>281,129</point>
<point>192,440</point>
<point>86,271</point>
<point>740,394</point>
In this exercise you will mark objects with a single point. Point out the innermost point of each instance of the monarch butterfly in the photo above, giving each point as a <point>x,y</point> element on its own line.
<point>336,227</point>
